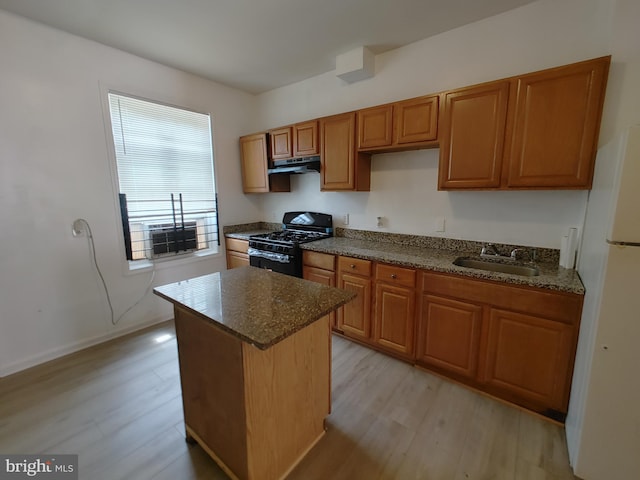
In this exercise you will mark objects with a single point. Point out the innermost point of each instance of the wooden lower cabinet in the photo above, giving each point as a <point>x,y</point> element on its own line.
<point>529,357</point>
<point>394,318</point>
<point>320,268</point>
<point>514,342</point>
<point>237,255</point>
<point>449,335</point>
<point>355,317</point>
<point>511,341</point>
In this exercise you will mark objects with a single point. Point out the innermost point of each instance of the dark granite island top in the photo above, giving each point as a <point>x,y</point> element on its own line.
<point>255,411</point>
<point>255,305</point>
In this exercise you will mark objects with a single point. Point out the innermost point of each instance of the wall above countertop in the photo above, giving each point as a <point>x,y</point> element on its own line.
<point>404,185</point>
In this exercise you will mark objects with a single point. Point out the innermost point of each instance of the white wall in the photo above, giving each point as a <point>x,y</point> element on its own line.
<point>540,35</point>
<point>54,168</point>
<point>603,425</point>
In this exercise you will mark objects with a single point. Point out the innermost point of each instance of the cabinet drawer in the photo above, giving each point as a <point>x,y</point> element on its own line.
<point>324,261</point>
<point>354,265</point>
<point>396,275</point>
<point>559,306</point>
<point>237,245</point>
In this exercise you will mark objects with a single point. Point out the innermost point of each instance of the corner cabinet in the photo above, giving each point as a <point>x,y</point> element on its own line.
<point>254,164</point>
<point>342,167</point>
<point>237,255</point>
<point>535,131</point>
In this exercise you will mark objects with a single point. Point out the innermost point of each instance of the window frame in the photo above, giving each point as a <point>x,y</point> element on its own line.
<point>161,262</point>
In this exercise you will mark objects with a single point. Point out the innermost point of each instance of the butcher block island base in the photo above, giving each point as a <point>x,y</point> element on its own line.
<point>254,349</point>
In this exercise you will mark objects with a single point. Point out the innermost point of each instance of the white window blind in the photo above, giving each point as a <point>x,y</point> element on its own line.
<point>165,173</point>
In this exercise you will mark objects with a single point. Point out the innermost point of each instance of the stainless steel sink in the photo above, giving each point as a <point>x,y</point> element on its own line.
<point>514,269</point>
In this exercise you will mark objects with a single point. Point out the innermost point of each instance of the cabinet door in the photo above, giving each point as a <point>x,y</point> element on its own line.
<point>305,139</point>
<point>355,317</point>
<point>416,120</point>
<point>236,252</point>
<point>472,135</point>
<point>281,145</point>
<point>375,127</point>
<point>254,162</point>
<point>236,259</point>
<point>556,126</point>
<point>529,357</point>
<point>394,318</point>
<point>449,335</point>
<point>253,152</point>
<point>324,277</point>
<point>342,168</point>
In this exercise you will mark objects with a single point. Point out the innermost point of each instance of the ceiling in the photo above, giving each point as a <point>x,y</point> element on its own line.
<point>255,45</point>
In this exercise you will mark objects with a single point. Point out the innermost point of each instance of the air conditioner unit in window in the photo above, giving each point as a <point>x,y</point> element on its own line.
<point>167,238</point>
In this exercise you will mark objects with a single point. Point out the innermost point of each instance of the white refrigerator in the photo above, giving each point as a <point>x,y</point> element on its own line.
<point>603,425</point>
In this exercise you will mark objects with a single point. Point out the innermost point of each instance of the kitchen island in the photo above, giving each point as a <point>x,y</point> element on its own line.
<point>255,361</point>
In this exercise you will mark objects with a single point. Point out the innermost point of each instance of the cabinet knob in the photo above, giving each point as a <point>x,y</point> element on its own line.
<point>352,266</point>
<point>394,276</point>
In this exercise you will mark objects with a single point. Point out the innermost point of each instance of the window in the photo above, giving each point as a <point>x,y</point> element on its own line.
<point>165,177</point>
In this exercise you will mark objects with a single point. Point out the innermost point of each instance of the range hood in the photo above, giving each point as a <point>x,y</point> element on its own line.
<point>296,165</point>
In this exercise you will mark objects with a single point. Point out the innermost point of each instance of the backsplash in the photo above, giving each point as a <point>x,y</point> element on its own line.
<point>544,255</point>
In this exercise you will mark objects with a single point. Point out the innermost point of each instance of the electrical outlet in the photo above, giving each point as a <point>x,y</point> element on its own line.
<point>345,219</point>
<point>439,224</point>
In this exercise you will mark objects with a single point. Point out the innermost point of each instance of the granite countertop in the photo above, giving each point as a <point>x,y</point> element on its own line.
<point>245,235</point>
<point>552,276</point>
<point>255,305</point>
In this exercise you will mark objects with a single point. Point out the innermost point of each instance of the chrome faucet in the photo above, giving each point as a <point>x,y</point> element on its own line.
<point>490,250</point>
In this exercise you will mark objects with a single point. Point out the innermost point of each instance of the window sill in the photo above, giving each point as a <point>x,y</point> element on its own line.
<point>140,266</point>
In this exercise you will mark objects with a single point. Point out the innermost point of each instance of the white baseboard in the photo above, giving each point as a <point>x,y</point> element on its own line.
<point>74,347</point>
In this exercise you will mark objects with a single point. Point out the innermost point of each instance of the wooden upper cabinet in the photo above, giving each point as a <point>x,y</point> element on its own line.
<point>416,120</point>
<point>534,131</point>
<point>375,127</point>
<point>472,134</point>
<point>342,168</point>
<point>254,162</point>
<point>398,126</point>
<point>253,151</point>
<point>305,139</point>
<point>281,143</point>
<point>556,125</point>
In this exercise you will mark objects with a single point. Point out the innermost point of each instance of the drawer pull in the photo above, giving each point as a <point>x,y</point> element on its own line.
<point>394,276</point>
<point>352,266</point>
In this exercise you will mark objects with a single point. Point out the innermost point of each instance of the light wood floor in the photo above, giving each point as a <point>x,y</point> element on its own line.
<point>118,406</point>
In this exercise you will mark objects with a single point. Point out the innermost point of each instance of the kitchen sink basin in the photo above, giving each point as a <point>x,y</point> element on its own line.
<point>512,268</point>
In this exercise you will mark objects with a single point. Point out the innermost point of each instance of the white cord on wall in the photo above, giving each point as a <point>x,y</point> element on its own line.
<point>77,231</point>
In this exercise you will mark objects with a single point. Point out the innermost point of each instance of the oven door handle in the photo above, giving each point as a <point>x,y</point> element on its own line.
<point>276,257</point>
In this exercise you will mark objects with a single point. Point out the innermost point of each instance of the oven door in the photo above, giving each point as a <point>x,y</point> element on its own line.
<point>277,262</point>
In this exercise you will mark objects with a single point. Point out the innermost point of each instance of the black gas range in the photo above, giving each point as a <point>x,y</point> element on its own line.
<point>280,251</point>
